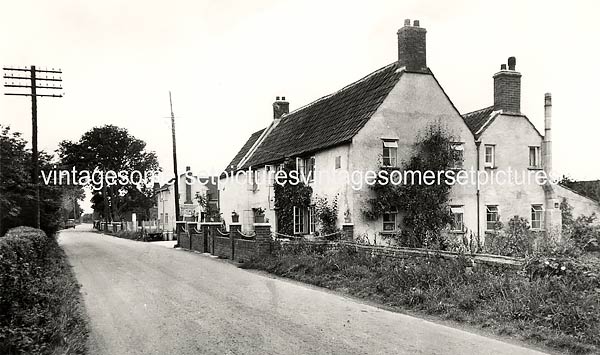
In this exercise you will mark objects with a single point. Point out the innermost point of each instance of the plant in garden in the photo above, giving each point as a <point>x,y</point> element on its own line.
<point>514,239</point>
<point>326,213</point>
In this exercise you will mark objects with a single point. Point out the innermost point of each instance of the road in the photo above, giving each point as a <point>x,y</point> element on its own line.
<point>145,298</point>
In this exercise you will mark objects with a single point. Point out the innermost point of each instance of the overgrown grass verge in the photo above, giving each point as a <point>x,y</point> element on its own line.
<point>41,310</point>
<point>548,305</point>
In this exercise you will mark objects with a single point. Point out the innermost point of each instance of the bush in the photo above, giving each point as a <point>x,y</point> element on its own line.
<point>40,304</point>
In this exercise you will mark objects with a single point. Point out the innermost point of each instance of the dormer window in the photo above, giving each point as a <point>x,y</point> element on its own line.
<point>534,157</point>
<point>390,152</point>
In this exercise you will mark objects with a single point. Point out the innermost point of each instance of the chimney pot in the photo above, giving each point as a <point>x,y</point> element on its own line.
<point>407,22</point>
<point>512,62</point>
<point>283,98</point>
<point>277,98</point>
<point>187,168</point>
<point>503,67</point>
<point>416,23</point>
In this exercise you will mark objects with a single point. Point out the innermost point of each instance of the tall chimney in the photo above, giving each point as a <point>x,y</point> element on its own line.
<point>507,88</point>
<point>412,47</point>
<point>548,133</point>
<point>280,107</point>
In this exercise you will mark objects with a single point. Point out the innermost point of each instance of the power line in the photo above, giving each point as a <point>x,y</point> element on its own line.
<point>42,79</point>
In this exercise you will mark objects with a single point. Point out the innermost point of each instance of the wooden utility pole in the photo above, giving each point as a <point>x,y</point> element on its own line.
<point>176,185</point>
<point>20,74</point>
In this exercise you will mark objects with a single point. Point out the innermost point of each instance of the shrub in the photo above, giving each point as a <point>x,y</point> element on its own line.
<point>514,239</point>
<point>40,304</point>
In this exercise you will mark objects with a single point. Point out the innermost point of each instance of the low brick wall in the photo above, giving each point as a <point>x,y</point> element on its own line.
<point>197,242</point>
<point>244,249</point>
<point>222,247</point>
<point>184,240</point>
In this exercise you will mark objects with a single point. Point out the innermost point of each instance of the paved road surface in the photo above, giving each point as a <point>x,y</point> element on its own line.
<point>144,298</point>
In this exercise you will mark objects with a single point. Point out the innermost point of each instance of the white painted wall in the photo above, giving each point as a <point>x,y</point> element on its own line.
<point>415,103</point>
<point>512,136</point>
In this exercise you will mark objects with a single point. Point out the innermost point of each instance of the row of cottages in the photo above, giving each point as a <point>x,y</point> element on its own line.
<point>375,121</point>
<point>190,210</point>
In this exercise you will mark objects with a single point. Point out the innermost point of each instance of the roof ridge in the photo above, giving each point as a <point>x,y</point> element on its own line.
<point>340,90</point>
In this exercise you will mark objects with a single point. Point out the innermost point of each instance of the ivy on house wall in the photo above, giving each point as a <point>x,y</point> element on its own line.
<point>424,208</point>
<point>287,195</point>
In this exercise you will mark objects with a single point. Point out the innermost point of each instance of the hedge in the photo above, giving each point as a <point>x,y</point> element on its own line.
<point>40,305</point>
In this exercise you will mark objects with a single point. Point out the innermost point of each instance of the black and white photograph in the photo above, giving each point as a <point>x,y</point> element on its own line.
<point>299,177</point>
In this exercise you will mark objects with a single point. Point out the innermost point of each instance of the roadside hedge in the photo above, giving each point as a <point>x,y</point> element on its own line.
<point>40,304</point>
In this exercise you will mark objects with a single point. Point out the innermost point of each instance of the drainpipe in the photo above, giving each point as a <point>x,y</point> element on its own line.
<point>478,145</point>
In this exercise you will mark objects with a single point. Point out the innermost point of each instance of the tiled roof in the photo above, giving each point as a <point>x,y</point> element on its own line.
<point>589,189</point>
<point>249,143</point>
<point>328,121</point>
<point>477,119</point>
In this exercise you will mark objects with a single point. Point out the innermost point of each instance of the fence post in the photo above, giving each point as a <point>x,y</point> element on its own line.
<point>263,238</point>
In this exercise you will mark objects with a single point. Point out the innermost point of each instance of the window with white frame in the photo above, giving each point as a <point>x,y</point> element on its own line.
<point>491,216</point>
<point>458,150</point>
<point>457,218</point>
<point>537,216</point>
<point>389,221</point>
<point>312,220</point>
<point>304,220</point>
<point>490,158</point>
<point>298,220</point>
<point>534,157</point>
<point>390,152</point>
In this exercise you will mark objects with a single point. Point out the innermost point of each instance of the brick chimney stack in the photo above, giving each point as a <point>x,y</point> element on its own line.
<point>280,107</point>
<point>507,88</point>
<point>412,47</point>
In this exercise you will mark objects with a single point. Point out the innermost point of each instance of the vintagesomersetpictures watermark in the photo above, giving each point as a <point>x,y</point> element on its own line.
<point>357,179</point>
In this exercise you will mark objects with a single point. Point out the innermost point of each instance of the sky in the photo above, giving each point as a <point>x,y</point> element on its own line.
<point>226,61</point>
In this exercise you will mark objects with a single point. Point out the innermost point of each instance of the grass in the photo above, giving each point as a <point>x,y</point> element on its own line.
<point>40,303</point>
<point>558,311</point>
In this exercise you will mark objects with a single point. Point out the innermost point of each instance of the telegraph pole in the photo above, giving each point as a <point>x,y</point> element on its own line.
<point>177,213</point>
<point>28,78</point>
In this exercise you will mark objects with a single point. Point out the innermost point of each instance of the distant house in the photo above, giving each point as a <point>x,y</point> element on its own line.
<point>189,186</point>
<point>375,122</point>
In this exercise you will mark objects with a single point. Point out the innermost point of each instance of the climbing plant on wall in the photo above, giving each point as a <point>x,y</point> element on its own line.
<point>289,192</point>
<point>424,208</point>
<point>326,213</point>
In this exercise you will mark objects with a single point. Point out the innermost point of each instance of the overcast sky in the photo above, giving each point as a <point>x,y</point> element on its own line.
<point>225,61</point>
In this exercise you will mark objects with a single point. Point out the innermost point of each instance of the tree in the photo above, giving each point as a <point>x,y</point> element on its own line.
<point>109,149</point>
<point>17,193</point>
